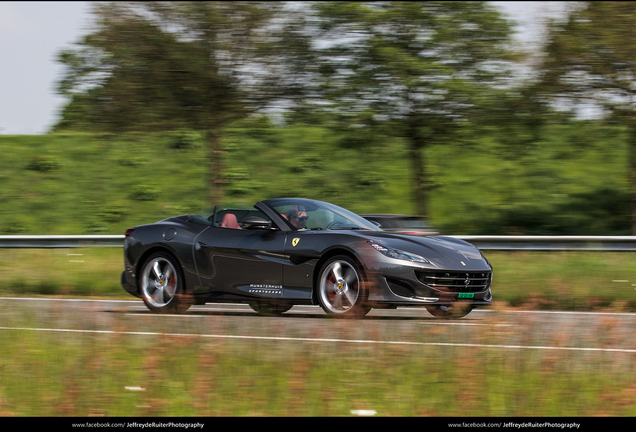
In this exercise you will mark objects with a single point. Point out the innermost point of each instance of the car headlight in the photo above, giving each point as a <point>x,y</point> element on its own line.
<point>398,254</point>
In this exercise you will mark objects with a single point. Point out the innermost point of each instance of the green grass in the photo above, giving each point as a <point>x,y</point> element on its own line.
<point>91,184</point>
<point>572,180</point>
<point>86,272</point>
<point>54,374</point>
<point>565,280</point>
<point>61,374</point>
<point>536,280</point>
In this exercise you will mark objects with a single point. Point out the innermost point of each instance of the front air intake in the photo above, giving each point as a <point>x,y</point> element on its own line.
<point>400,289</point>
<point>456,281</point>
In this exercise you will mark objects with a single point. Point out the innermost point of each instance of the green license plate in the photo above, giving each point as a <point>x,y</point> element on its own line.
<point>466,295</point>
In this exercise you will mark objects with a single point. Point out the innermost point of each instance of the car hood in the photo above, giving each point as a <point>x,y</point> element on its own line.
<point>443,252</point>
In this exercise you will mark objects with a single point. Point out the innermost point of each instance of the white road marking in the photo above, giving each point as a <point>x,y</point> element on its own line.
<point>364,413</point>
<point>296,339</point>
<point>69,299</point>
<point>442,323</point>
<point>150,314</point>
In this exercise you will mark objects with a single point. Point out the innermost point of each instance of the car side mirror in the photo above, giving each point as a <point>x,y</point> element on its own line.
<point>255,222</point>
<point>376,223</point>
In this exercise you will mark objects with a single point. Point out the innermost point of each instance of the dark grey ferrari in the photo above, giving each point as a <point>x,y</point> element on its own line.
<point>291,251</point>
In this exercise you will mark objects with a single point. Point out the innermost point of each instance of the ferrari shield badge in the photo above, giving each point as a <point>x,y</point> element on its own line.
<point>295,241</point>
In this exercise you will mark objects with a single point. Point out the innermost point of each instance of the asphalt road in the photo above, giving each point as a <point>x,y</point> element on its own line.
<point>491,328</point>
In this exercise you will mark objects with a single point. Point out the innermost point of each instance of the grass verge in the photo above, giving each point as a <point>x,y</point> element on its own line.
<point>52,374</point>
<point>535,280</point>
<point>125,374</point>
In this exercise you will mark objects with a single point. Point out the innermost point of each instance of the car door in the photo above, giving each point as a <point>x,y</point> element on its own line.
<point>236,262</point>
<point>303,252</point>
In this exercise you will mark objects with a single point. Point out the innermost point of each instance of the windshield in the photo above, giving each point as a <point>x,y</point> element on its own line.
<point>317,215</point>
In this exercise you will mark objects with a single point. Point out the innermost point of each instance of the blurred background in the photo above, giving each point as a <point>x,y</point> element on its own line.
<point>478,117</point>
<point>454,112</point>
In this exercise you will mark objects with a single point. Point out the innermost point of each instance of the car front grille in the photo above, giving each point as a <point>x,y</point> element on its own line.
<point>456,282</point>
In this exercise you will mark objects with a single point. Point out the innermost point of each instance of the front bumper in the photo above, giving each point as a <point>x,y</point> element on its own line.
<point>410,286</point>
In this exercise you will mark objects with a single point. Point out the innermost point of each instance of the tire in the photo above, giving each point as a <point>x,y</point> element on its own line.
<point>341,288</point>
<point>454,311</point>
<point>162,285</point>
<point>270,309</point>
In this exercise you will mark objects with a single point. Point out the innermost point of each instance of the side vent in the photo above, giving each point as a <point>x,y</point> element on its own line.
<point>400,289</point>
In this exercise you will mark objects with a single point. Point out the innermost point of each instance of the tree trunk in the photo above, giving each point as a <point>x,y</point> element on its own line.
<point>215,168</point>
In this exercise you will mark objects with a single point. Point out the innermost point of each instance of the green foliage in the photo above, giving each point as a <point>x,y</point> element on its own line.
<point>238,182</point>
<point>147,66</point>
<point>409,69</point>
<point>98,191</point>
<point>592,54</point>
<point>571,181</point>
<point>555,187</point>
<point>45,164</point>
<point>420,67</point>
<point>186,139</point>
<point>191,66</point>
<point>144,193</point>
<point>591,57</point>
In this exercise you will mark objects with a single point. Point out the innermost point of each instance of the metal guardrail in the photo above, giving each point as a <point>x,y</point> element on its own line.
<point>535,243</point>
<point>553,243</point>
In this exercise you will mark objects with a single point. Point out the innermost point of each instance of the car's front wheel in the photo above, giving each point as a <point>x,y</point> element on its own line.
<point>341,288</point>
<point>162,286</point>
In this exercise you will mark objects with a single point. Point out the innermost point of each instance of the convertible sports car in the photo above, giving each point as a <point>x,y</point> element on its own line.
<point>290,251</point>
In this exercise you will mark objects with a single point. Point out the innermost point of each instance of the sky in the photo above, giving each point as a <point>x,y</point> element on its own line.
<point>32,33</point>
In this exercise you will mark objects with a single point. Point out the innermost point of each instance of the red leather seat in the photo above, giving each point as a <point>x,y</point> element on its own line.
<point>229,221</point>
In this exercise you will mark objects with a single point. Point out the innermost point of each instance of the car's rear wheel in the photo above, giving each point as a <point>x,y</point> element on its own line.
<point>342,290</point>
<point>453,311</point>
<point>162,286</point>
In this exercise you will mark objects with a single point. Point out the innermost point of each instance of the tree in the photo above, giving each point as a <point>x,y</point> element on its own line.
<point>591,56</point>
<point>166,65</point>
<point>418,67</point>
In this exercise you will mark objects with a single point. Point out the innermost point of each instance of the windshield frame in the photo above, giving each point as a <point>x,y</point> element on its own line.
<point>354,220</point>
